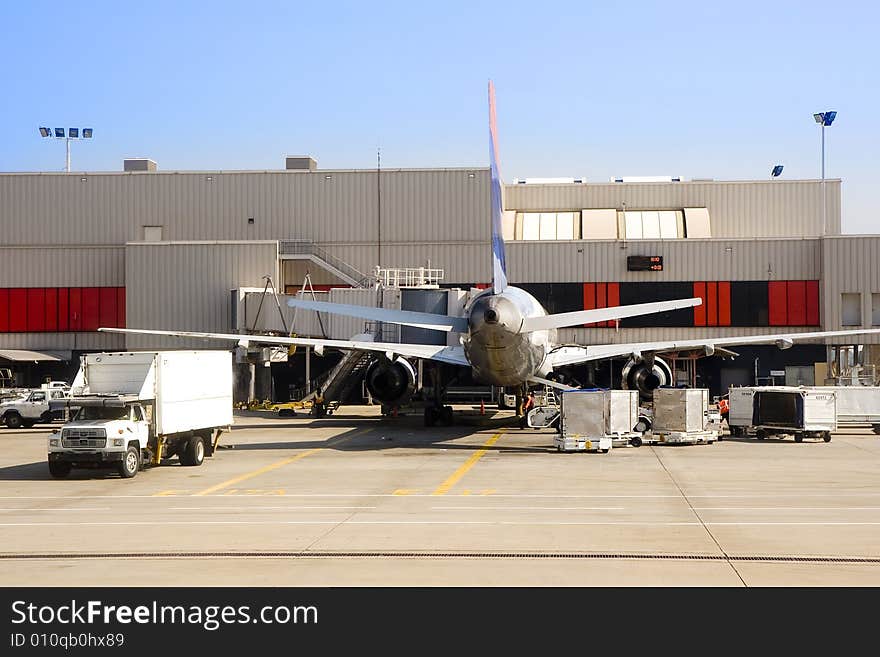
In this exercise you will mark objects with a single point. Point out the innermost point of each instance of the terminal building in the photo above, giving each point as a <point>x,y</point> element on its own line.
<point>191,250</point>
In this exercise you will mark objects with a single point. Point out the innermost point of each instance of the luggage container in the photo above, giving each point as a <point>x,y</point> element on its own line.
<point>596,420</point>
<point>783,410</point>
<point>681,416</point>
<point>856,405</point>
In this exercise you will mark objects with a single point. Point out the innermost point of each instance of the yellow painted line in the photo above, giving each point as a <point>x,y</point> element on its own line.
<point>275,466</point>
<point>166,493</point>
<point>256,473</point>
<point>405,491</point>
<point>444,488</point>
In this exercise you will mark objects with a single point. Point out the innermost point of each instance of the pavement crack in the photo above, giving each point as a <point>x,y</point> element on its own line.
<point>697,515</point>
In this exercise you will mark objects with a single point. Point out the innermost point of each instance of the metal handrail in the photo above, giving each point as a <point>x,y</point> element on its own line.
<point>307,247</point>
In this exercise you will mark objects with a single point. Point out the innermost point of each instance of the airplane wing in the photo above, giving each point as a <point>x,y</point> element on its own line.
<point>561,320</point>
<point>443,354</point>
<point>407,317</point>
<point>574,355</point>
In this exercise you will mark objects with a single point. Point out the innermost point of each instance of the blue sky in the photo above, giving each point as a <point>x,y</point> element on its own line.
<point>590,89</point>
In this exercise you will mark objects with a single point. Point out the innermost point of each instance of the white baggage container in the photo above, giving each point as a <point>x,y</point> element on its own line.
<point>856,404</point>
<point>776,410</point>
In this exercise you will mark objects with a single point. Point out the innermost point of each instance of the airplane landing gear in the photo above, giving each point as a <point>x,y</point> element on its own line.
<point>438,415</point>
<point>435,411</point>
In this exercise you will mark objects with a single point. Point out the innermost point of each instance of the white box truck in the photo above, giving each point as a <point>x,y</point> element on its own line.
<point>139,408</point>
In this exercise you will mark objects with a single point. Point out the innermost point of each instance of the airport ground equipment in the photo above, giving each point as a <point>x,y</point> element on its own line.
<point>33,407</point>
<point>681,416</point>
<point>783,410</point>
<point>592,420</point>
<point>856,405</point>
<point>139,408</point>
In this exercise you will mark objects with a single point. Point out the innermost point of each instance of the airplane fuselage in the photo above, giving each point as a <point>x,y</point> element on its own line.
<point>494,346</point>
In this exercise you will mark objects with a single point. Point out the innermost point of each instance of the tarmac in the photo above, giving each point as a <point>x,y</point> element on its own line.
<point>358,500</point>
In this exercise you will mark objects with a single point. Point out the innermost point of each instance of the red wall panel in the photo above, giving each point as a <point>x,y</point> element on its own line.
<point>36,297</point>
<point>712,303</point>
<point>107,306</point>
<point>797,303</point>
<point>90,308</point>
<point>812,303</point>
<point>4,310</point>
<point>63,309</point>
<point>613,300</point>
<point>75,307</point>
<point>601,300</point>
<point>700,311</point>
<point>778,301</point>
<point>724,303</point>
<point>50,309</point>
<point>17,310</point>
<point>120,307</point>
<point>589,298</point>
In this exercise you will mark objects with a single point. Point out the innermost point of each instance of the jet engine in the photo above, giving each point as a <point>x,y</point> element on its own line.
<point>391,382</point>
<point>646,376</point>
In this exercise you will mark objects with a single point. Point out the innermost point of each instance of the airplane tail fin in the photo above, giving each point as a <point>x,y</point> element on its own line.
<point>499,263</point>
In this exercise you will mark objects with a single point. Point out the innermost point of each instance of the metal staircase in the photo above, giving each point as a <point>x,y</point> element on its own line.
<point>331,389</point>
<point>307,250</point>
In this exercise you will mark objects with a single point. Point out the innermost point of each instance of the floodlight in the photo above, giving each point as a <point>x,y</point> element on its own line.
<point>45,132</point>
<point>59,132</point>
<point>73,133</point>
<point>87,133</point>
<point>819,117</point>
<point>828,118</point>
<point>777,170</point>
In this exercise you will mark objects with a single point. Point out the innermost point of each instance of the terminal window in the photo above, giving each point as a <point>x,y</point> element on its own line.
<point>875,309</point>
<point>851,309</point>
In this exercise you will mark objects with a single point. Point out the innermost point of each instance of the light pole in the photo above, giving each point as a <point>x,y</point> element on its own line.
<point>72,134</point>
<point>824,119</point>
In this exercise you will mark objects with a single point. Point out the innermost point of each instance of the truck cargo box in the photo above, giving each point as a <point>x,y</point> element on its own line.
<point>188,389</point>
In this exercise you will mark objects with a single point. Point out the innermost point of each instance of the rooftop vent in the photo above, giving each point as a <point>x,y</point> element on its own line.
<point>644,179</point>
<point>139,164</point>
<point>300,164</point>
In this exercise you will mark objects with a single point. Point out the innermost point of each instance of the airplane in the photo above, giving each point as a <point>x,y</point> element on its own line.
<point>506,337</point>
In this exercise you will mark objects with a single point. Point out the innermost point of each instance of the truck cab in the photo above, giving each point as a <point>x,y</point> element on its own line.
<point>32,408</point>
<point>106,433</point>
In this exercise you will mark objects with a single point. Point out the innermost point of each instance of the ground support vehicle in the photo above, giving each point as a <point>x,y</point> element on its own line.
<point>592,420</point>
<point>34,407</point>
<point>138,408</point>
<point>765,411</point>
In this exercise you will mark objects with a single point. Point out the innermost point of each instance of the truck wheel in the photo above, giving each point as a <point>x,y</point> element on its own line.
<point>59,469</point>
<point>826,436</point>
<point>761,434</point>
<point>13,420</point>
<point>876,428</point>
<point>635,441</point>
<point>194,451</point>
<point>131,462</point>
<point>798,437</point>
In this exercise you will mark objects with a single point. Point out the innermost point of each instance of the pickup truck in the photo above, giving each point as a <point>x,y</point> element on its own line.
<point>33,407</point>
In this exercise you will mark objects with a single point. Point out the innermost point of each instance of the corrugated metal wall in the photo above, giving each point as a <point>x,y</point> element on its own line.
<point>322,206</point>
<point>342,206</point>
<point>186,286</point>
<point>690,260</point>
<point>62,341</point>
<point>852,264</point>
<point>737,209</point>
<point>98,266</point>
